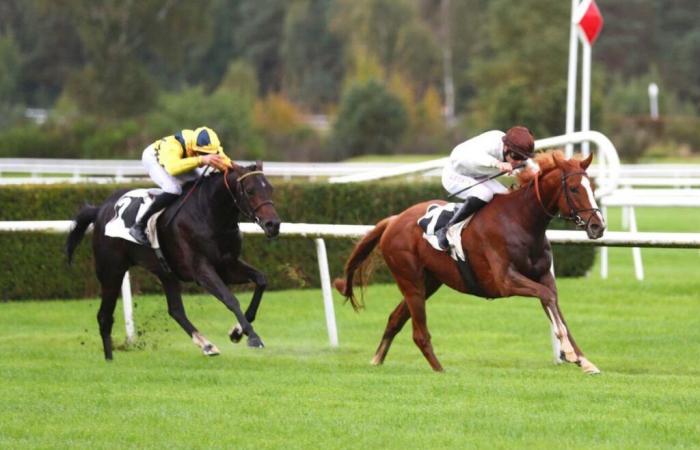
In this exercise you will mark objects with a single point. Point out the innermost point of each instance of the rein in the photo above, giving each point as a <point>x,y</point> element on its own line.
<point>574,215</point>
<point>249,211</point>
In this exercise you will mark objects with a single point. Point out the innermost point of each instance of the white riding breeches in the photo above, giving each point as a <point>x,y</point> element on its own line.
<point>169,183</point>
<point>454,182</point>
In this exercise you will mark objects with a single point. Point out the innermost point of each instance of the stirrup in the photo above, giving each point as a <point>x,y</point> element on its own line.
<point>139,234</point>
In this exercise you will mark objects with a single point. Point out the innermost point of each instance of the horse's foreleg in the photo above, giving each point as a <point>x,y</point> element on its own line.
<point>518,284</point>
<point>570,351</point>
<point>243,273</point>
<point>207,277</point>
<point>176,309</point>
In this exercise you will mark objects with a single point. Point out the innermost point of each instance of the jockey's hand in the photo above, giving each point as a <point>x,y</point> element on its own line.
<point>215,161</point>
<point>505,167</point>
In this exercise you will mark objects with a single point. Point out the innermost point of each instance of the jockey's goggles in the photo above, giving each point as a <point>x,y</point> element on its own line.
<point>517,154</point>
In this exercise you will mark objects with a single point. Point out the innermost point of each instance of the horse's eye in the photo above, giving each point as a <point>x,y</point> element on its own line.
<point>574,189</point>
<point>250,192</point>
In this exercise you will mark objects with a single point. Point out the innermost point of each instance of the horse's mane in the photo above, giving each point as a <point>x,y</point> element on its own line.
<point>546,163</point>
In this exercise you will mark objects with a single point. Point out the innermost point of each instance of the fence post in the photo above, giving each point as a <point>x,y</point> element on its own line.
<point>327,293</point>
<point>128,309</point>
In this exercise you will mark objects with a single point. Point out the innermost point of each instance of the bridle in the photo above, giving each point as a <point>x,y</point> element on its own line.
<point>249,211</point>
<point>574,214</point>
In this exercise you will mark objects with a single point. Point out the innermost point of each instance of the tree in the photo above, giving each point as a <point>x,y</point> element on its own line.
<point>521,75</point>
<point>312,55</point>
<point>370,120</point>
<point>259,37</point>
<point>9,69</point>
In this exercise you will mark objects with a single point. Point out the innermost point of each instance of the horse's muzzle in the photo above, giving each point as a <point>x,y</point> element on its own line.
<point>271,228</point>
<point>595,230</point>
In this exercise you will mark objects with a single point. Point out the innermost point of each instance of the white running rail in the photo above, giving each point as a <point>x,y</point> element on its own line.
<point>320,231</point>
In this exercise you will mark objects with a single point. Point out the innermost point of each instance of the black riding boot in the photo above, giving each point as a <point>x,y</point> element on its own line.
<point>469,207</point>
<point>138,231</point>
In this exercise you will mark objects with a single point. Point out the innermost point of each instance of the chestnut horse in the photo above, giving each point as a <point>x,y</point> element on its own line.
<point>201,241</point>
<point>505,244</point>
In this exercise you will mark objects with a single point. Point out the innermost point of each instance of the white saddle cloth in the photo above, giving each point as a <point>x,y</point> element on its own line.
<point>128,209</point>
<point>440,214</point>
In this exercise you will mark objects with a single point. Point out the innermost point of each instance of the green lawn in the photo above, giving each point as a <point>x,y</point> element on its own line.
<point>500,388</point>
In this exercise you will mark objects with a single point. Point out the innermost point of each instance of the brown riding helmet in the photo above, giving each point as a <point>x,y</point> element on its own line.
<point>520,143</point>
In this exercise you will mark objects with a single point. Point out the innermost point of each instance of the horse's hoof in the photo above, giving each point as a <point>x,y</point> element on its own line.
<point>210,350</point>
<point>588,367</point>
<point>236,334</point>
<point>255,342</point>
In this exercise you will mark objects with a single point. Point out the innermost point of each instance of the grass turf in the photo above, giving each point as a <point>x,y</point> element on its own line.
<point>500,389</point>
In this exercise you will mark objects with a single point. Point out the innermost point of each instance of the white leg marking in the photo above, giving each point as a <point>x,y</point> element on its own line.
<point>562,334</point>
<point>203,343</point>
<point>588,367</point>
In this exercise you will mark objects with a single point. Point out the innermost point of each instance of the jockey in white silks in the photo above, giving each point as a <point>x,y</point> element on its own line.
<point>478,158</point>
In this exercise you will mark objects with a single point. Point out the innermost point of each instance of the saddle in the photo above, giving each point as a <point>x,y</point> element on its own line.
<point>127,211</point>
<point>437,216</point>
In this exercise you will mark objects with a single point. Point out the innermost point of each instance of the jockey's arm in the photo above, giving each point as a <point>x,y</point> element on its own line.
<point>169,156</point>
<point>476,163</point>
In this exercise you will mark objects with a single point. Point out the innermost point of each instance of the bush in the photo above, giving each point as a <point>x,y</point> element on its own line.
<point>33,264</point>
<point>31,141</point>
<point>287,137</point>
<point>370,120</point>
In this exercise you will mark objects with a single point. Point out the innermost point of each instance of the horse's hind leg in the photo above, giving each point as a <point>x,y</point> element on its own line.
<point>110,281</point>
<point>398,318</point>
<point>176,309</point>
<point>411,281</point>
<point>243,272</point>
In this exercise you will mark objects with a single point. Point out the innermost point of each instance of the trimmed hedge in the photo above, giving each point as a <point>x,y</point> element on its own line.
<point>33,264</point>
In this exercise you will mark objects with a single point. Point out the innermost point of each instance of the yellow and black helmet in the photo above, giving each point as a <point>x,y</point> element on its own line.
<point>206,141</point>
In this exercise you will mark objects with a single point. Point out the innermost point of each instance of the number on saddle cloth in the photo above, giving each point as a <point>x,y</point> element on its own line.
<point>437,216</point>
<point>129,211</point>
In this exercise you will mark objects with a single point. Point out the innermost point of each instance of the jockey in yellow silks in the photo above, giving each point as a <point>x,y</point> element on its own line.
<point>475,160</point>
<point>174,161</point>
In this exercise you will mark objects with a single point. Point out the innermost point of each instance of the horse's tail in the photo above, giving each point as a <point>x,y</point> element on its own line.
<point>358,263</point>
<point>82,221</point>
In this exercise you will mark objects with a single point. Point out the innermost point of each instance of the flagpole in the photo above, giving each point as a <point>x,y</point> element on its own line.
<point>571,88</point>
<point>586,95</point>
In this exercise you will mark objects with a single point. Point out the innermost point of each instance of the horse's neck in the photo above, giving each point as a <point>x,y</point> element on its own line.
<point>539,211</point>
<point>216,204</point>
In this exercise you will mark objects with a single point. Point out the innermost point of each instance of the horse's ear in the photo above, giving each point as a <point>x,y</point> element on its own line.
<point>258,164</point>
<point>587,162</point>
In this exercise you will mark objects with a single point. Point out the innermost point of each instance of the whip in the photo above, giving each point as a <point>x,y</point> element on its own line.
<point>519,166</point>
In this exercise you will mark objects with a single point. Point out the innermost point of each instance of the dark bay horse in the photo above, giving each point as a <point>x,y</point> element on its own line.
<point>506,247</point>
<point>201,242</point>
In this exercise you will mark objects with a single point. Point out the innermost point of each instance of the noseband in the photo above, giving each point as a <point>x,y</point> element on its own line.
<point>249,211</point>
<point>574,214</point>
